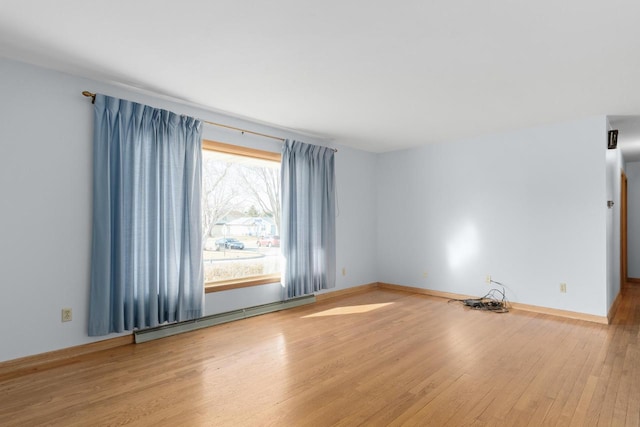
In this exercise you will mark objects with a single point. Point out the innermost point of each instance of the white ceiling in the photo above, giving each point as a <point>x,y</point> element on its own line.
<point>378,75</point>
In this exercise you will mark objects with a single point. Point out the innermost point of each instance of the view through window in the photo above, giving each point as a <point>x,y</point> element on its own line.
<point>241,214</point>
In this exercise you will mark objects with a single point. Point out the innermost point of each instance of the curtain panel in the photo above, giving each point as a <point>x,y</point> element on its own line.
<point>146,260</point>
<point>308,218</point>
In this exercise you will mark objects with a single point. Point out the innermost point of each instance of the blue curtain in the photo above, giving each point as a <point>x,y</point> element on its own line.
<point>308,232</point>
<point>146,261</point>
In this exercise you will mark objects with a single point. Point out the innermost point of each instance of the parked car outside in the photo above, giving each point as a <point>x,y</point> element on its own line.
<point>269,241</point>
<point>229,243</point>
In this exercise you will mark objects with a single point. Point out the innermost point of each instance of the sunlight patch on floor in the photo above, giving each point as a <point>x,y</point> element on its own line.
<point>352,309</point>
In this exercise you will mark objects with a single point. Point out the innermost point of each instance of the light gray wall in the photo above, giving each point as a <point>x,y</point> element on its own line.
<point>633,215</point>
<point>45,221</point>
<point>527,207</point>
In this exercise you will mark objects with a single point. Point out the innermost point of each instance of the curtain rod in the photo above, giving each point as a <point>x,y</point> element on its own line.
<point>93,101</point>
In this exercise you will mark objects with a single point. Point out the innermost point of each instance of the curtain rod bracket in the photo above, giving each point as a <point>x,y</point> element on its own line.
<point>90,95</point>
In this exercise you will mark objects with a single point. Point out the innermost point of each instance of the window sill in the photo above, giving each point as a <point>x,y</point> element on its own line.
<point>226,285</point>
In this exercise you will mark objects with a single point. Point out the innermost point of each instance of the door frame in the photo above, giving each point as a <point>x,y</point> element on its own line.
<point>624,274</point>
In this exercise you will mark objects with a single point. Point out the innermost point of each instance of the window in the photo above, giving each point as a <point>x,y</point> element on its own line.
<point>240,215</point>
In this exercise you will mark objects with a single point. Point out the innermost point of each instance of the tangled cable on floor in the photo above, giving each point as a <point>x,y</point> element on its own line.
<point>494,300</point>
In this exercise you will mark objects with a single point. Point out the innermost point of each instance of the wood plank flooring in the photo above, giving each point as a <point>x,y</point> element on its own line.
<point>375,358</point>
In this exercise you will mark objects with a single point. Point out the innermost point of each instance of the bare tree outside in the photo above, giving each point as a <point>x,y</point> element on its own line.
<point>263,185</point>
<point>218,198</point>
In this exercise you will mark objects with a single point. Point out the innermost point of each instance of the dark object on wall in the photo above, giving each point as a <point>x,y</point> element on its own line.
<point>613,139</point>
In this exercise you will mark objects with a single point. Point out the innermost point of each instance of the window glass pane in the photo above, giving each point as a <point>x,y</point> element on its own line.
<point>241,216</point>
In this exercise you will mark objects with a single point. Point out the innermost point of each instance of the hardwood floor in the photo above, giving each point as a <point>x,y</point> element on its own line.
<point>375,358</point>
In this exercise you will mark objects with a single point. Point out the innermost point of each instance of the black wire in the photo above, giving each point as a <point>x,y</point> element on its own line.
<point>497,283</point>
<point>495,300</point>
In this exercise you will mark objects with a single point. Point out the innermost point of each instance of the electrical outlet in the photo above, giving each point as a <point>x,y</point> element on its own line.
<point>424,274</point>
<point>344,271</point>
<point>66,315</point>
<point>488,279</point>
<point>563,288</point>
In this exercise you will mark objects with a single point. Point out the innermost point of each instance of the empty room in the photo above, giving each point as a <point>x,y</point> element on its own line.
<point>347,213</point>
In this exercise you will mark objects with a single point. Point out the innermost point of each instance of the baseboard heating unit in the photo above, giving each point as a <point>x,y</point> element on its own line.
<point>217,319</point>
